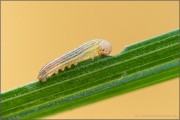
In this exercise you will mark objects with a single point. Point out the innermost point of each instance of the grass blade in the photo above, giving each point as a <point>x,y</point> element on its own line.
<point>141,64</point>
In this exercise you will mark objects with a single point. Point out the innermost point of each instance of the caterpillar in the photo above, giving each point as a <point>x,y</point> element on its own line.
<point>88,49</point>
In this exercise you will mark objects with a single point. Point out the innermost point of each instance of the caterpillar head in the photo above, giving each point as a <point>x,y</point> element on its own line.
<point>105,48</point>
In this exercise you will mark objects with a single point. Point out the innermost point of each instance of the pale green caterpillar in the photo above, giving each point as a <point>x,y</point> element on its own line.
<point>91,48</point>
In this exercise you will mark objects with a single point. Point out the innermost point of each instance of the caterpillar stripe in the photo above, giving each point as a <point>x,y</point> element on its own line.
<point>88,49</point>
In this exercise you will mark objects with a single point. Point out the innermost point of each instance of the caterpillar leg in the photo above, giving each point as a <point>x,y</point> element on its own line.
<point>69,66</point>
<point>42,79</point>
<point>56,72</point>
<point>62,68</point>
<point>75,63</point>
<point>92,55</point>
<point>96,52</point>
<point>82,58</point>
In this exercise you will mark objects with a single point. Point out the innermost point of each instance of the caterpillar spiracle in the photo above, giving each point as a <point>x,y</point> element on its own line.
<point>88,49</point>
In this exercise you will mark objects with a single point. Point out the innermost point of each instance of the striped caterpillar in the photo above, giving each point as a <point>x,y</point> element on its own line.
<point>91,48</point>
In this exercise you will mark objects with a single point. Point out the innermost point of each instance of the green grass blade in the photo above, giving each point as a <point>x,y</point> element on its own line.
<point>141,64</point>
